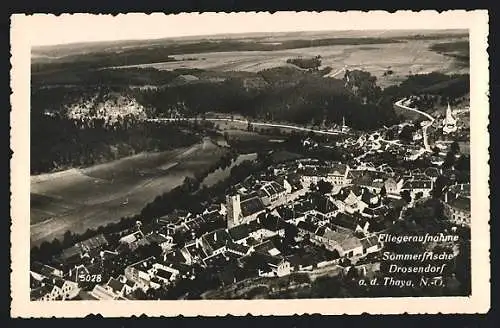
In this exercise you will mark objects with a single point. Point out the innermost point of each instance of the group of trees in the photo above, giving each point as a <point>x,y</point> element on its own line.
<point>58,142</point>
<point>306,63</point>
<point>431,89</point>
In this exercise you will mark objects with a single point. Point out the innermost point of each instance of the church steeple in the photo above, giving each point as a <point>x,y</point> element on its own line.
<point>449,123</point>
<point>344,126</point>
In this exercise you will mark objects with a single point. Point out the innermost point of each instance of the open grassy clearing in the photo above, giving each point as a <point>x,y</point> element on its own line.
<point>105,193</point>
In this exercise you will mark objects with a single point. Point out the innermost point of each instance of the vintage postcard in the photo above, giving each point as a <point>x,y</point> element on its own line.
<point>272,164</point>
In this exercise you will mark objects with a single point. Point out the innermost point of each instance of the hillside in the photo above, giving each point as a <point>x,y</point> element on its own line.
<point>100,115</point>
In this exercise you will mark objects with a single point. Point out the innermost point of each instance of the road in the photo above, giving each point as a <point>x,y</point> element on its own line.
<point>270,125</point>
<point>424,128</point>
<point>294,127</point>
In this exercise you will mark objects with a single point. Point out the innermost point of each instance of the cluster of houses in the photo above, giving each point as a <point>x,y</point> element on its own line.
<point>248,227</point>
<point>48,284</point>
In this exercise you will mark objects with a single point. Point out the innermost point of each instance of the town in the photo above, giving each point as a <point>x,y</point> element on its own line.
<point>292,221</point>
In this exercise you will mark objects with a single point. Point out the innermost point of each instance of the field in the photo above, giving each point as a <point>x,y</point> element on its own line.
<point>414,56</point>
<point>79,199</point>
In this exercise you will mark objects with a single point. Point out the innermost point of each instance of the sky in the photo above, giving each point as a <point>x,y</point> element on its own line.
<point>44,29</point>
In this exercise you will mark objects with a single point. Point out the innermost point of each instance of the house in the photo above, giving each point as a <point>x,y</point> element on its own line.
<point>53,288</point>
<point>352,203</point>
<point>343,242</point>
<point>193,253</point>
<point>371,180</point>
<point>214,243</point>
<point>40,270</point>
<point>266,265</point>
<point>133,240</point>
<point>335,173</point>
<point>457,210</point>
<point>420,187</point>
<point>258,232</point>
<point>83,249</point>
<point>267,247</point>
<point>370,198</point>
<point>370,244</point>
<point>239,234</point>
<point>351,247</point>
<point>121,286</point>
<point>104,293</point>
<point>165,242</point>
<point>165,272</point>
<point>238,249</point>
<point>271,192</point>
<point>374,211</point>
<point>283,181</point>
<point>279,266</point>
<point>393,186</point>
<point>243,208</point>
<point>67,289</point>
<point>141,273</point>
<point>47,292</point>
<point>355,224</point>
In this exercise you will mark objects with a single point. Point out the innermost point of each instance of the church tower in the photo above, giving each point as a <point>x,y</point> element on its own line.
<point>344,128</point>
<point>450,123</point>
<point>233,204</point>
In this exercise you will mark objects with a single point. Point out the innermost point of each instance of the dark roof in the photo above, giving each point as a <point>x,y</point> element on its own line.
<point>216,239</point>
<point>58,282</point>
<point>156,238</point>
<point>251,206</point>
<point>237,248</point>
<point>73,251</point>
<point>370,178</point>
<point>42,269</point>
<point>417,184</point>
<point>239,232</point>
<point>168,219</point>
<point>367,195</point>
<point>116,285</point>
<point>265,247</point>
<point>272,188</point>
<point>320,231</point>
<point>307,226</point>
<point>369,241</point>
<point>94,242</point>
<point>461,203</point>
<point>254,225</point>
<point>36,294</point>
<point>164,274</point>
<point>348,221</point>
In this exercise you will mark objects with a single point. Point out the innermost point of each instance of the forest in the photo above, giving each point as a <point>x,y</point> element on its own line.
<point>283,94</point>
<point>59,143</point>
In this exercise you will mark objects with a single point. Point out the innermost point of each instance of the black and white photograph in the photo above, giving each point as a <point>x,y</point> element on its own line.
<point>252,161</point>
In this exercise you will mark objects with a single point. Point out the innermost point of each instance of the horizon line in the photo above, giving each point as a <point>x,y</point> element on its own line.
<point>187,36</point>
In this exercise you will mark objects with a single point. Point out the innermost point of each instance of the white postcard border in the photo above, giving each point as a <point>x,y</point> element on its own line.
<point>478,302</point>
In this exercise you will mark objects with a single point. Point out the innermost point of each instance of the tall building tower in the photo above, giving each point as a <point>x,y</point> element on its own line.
<point>450,123</point>
<point>233,204</point>
<point>344,128</point>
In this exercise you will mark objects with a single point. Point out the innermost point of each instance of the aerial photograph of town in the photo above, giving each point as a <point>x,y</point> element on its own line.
<point>280,165</point>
